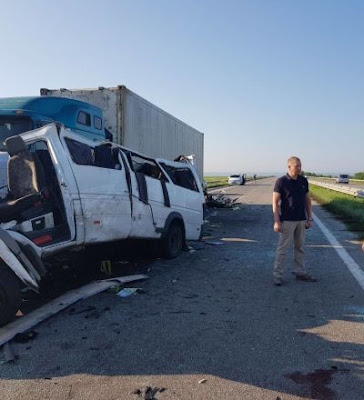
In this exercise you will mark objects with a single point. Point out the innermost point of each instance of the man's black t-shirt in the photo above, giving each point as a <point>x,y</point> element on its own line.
<point>293,197</point>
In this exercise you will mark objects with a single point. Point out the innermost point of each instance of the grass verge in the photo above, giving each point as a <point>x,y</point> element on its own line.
<point>348,208</point>
<point>213,181</point>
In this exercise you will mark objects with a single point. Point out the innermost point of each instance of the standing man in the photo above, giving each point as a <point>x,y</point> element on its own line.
<point>292,211</point>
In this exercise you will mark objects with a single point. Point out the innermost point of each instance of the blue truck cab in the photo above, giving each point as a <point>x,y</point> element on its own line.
<point>21,114</point>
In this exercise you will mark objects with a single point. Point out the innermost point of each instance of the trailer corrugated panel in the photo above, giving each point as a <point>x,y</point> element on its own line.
<point>140,125</point>
<point>153,131</point>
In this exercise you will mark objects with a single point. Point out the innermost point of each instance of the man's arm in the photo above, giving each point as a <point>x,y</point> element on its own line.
<point>308,211</point>
<point>277,220</point>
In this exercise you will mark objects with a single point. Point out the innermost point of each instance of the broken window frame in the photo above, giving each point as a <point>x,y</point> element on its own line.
<point>178,179</point>
<point>77,157</point>
<point>72,145</point>
<point>145,165</point>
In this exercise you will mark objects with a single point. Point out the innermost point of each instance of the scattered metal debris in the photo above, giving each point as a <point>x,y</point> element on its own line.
<point>9,331</point>
<point>214,242</point>
<point>126,292</point>
<point>219,200</point>
<point>148,393</point>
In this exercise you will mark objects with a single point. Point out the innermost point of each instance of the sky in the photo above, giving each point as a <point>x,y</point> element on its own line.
<point>262,79</point>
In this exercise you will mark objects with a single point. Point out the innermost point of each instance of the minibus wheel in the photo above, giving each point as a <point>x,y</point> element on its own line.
<point>172,244</point>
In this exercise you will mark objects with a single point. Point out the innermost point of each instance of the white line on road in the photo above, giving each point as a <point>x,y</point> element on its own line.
<point>353,267</point>
<point>244,196</point>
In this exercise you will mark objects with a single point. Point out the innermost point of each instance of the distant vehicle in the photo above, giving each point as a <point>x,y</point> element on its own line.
<point>237,179</point>
<point>343,178</point>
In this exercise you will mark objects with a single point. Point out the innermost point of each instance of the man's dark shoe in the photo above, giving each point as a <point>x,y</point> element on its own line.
<point>305,277</point>
<point>277,281</point>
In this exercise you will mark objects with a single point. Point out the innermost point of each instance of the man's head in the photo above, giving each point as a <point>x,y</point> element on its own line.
<point>294,166</point>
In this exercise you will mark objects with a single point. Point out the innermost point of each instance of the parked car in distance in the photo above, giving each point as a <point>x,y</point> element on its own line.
<point>343,178</point>
<point>237,179</point>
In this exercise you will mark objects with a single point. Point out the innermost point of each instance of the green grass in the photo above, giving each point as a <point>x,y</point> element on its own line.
<point>213,181</point>
<point>346,207</point>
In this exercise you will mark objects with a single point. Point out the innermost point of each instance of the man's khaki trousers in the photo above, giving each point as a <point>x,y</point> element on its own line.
<point>295,230</point>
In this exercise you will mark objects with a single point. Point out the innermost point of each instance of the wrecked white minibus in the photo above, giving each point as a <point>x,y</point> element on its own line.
<point>66,192</point>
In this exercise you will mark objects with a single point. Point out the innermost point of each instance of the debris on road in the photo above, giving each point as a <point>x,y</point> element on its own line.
<point>115,289</point>
<point>219,200</point>
<point>25,336</point>
<point>106,267</point>
<point>214,242</point>
<point>202,381</point>
<point>126,292</point>
<point>148,393</point>
<point>196,246</point>
<point>20,325</point>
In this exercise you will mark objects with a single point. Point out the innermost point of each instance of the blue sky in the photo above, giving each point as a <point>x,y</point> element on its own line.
<point>262,79</point>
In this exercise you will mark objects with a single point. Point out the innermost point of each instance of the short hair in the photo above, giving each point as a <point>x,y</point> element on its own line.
<point>293,159</point>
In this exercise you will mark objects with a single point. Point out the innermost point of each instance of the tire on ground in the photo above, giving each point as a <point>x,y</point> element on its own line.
<point>173,242</point>
<point>10,295</point>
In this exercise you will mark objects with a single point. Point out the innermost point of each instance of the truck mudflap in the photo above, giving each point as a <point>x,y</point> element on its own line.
<point>17,267</point>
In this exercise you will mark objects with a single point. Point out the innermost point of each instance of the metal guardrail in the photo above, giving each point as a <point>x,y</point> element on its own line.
<point>338,188</point>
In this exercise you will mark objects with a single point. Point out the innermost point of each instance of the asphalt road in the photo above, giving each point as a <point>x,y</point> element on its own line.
<point>210,324</point>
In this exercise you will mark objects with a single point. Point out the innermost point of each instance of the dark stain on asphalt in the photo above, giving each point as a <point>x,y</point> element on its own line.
<point>25,336</point>
<point>87,309</point>
<point>318,382</point>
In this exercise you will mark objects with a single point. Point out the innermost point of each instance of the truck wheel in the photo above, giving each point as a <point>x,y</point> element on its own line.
<point>10,295</point>
<point>173,242</point>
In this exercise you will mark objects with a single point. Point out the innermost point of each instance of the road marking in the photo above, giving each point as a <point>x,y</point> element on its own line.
<point>244,196</point>
<point>353,267</point>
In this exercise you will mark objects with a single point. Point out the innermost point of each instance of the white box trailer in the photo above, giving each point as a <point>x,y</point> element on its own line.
<point>140,125</point>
